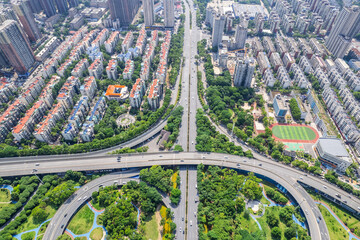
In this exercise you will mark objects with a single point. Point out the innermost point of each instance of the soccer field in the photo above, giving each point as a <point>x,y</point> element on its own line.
<point>293,132</point>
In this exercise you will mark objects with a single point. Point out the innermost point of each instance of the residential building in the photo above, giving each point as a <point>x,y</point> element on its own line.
<point>89,87</point>
<point>240,37</point>
<point>128,40</point>
<point>169,13</point>
<point>263,62</point>
<point>341,65</point>
<point>128,70</point>
<point>283,77</point>
<point>49,7</point>
<point>218,29</point>
<point>288,60</point>
<point>27,19</point>
<point>137,92</point>
<point>43,130</point>
<point>305,65</point>
<point>80,67</point>
<point>344,29</point>
<point>244,71</point>
<point>110,44</point>
<point>268,45</point>
<point>154,94</point>
<point>269,78</point>
<point>259,22</point>
<point>111,69</point>
<point>96,68</point>
<point>275,60</point>
<point>62,6</point>
<point>16,47</point>
<point>354,64</point>
<point>123,11</point>
<point>149,15</point>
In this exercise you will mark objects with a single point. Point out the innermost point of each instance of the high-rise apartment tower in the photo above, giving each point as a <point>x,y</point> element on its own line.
<point>27,19</point>
<point>15,46</point>
<point>346,25</point>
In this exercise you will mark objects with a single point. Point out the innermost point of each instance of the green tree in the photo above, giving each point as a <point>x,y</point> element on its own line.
<point>175,196</point>
<point>39,215</point>
<point>272,219</point>
<point>276,233</point>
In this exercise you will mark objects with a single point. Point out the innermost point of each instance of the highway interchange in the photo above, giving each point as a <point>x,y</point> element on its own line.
<point>286,176</point>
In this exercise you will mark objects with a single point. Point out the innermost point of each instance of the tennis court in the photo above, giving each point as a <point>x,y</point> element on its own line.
<point>294,147</point>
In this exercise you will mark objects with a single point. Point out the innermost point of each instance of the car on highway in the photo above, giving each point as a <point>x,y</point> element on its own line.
<point>180,229</point>
<point>182,218</point>
<point>37,164</point>
<point>190,223</point>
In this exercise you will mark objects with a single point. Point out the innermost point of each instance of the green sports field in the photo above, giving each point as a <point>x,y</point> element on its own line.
<point>293,133</point>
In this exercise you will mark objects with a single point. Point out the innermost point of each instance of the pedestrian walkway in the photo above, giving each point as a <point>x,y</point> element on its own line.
<point>8,187</point>
<point>95,225</point>
<point>351,235</point>
<point>36,230</point>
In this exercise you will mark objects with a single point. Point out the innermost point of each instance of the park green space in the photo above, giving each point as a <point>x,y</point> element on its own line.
<point>345,216</point>
<point>28,236</point>
<point>31,223</point>
<point>336,231</point>
<point>82,221</point>
<point>293,132</point>
<point>5,195</point>
<point>96,234</point>
<point>266,228</point>
<point>151,227</point>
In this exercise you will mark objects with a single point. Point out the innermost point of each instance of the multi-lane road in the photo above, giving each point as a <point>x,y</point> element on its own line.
<point>189,97</point>
<point>287,176</point>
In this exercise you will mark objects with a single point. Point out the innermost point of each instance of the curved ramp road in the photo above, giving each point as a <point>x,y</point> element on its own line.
<point>64,214</point>
<point>284,175</point>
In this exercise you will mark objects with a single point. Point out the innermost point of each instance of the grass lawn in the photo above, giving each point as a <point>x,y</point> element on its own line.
<point>247,224</point>
<point>336,231</point>
<point>263,200</point>
<point>5,195</point>
<point>293,132</point>
<point>29,223</point>
<point>66,237</point>
<point>82,221</point>
<point>4,205</point>
<point>151,228</point>
<point>99,220</point>
<point>28,236</point>
<point>96,234</point>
